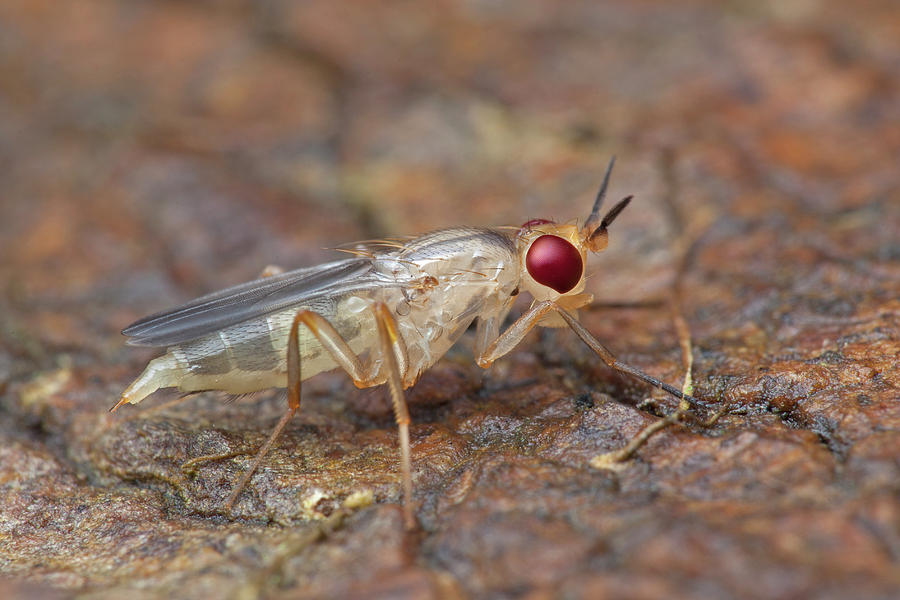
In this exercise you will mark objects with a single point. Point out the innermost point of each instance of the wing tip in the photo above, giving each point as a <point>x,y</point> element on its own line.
<point>139,334</point>
<point>142,341</point>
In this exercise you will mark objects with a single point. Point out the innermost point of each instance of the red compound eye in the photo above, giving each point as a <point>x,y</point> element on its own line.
<point>554,262</point>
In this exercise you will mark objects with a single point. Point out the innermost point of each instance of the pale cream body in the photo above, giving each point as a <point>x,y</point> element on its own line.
<point>434,286</point>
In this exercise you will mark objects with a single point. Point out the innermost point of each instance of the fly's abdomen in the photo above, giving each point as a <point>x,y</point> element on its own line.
<point>238,359</point>
<point>246,357</point>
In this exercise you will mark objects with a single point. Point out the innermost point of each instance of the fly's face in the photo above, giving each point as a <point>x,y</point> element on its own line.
<point>553,256</point>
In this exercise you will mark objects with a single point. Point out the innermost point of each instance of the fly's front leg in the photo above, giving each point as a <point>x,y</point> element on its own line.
<point>513,335</point>
<point>611,361</point>
<point>609,459</point>
<point>510,338</point>
<point>332,341</point>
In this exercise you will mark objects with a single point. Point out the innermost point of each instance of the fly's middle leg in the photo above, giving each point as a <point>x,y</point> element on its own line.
<point>394,353</point>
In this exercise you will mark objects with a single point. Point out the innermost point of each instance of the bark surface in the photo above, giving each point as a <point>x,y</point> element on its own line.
<point>154,152</point>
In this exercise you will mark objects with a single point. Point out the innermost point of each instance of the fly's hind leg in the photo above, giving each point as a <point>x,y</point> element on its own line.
<point>332,341</point>
<point>393,352</point>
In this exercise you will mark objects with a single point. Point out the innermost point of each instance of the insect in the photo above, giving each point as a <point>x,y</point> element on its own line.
<point>384,316</point>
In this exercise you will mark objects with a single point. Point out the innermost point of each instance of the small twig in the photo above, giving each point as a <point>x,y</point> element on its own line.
<point>189,467</point>
<point>611,460</point>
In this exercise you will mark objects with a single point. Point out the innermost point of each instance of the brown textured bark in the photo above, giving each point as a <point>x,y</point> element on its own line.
<point>151,152</point>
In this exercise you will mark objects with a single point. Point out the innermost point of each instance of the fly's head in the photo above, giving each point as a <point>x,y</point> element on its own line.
<point>553,255</point>
<point>552,259</point>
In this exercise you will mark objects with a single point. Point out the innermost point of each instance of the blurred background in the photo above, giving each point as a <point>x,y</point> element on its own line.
<point>151,152</point>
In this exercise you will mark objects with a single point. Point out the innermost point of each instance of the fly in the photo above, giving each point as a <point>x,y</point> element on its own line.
<point>384,316</point>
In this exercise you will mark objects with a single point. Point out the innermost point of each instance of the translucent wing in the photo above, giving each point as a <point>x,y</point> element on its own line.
<point>227,307</point>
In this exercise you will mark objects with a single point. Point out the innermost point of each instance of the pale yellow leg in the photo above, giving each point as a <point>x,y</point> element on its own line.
<point>514,334</point>
<point>396,359</point>
<point>392,347</point>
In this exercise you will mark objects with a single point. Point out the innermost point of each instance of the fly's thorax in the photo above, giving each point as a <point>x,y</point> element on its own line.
<point>444,280</point>
<point>453,259</point>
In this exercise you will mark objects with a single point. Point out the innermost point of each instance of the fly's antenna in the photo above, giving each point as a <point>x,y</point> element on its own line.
<point>612,214</point>
<point>594,219</point>
<point>594,234</point>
